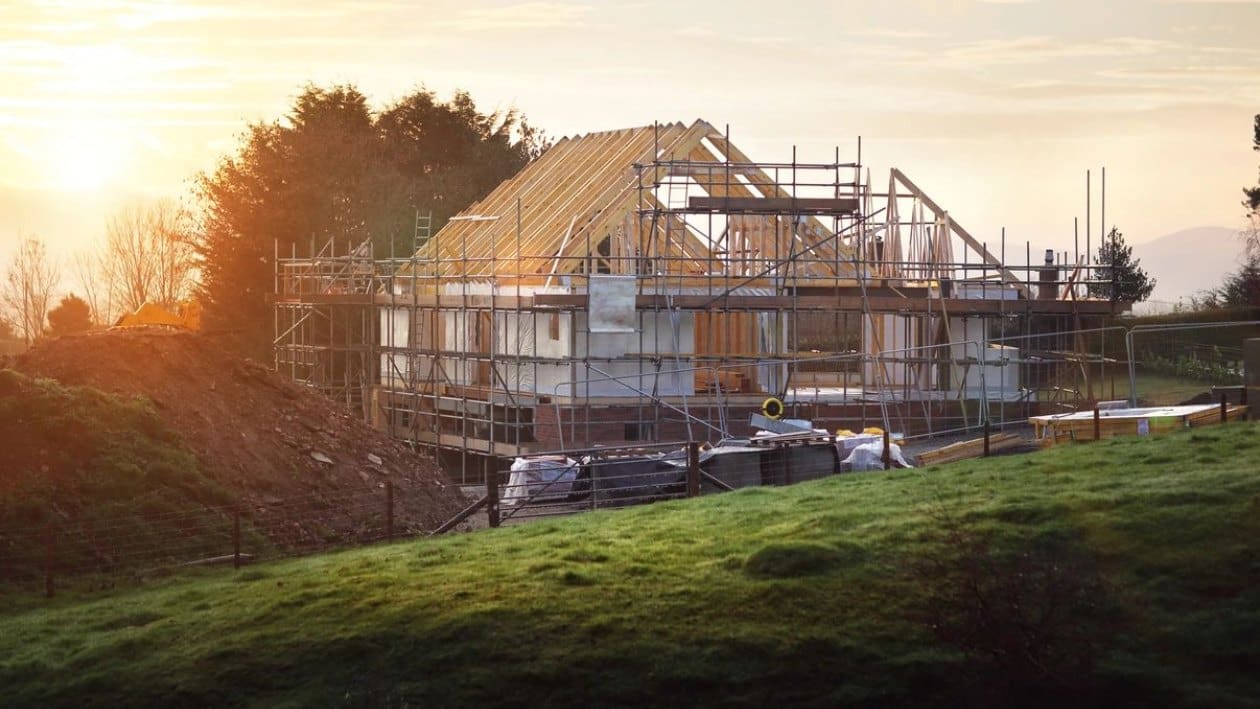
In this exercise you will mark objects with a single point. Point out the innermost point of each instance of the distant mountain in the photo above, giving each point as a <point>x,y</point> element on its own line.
<point>1187,262</point>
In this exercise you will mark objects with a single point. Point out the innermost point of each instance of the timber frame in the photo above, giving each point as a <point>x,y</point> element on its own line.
<point>728,281</point>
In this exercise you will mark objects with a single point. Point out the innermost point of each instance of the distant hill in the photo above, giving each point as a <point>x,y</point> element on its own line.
<point>1188,261</point>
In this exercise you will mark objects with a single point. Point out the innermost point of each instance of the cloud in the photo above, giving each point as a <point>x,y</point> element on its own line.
<point>1197,73</point>
<point>142,15</point>
<point>891,33</point>
<point>523,16</point>
<point>1073,90</point>
<point>1042,48</point>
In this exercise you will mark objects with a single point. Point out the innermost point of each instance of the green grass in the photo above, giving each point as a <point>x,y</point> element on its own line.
<point>106,469</point>
<point>1141,556</point>
<point>1160,389</point>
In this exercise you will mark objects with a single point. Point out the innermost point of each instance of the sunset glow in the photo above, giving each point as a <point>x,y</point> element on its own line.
<point>85,157</point>
<point>997,107</point>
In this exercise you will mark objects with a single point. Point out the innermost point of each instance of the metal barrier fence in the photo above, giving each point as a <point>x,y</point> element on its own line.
<point>557,485</point>
<point>561,483</point>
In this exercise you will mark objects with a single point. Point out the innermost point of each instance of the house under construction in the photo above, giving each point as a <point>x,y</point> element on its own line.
<point>656,284</point>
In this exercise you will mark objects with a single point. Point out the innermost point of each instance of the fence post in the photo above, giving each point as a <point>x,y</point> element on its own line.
<point>389,510</point>
<point>1224,406</point>
<point>887,452</point>
<point>492,495</point>
<point>986,438</point>
<point>693,469</point>
<point>50,557</point>
<point>236,538</point>
<point>1097,423</point>
<point>786,449</point>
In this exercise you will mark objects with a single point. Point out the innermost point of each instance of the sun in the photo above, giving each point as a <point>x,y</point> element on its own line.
<point>86,157</point>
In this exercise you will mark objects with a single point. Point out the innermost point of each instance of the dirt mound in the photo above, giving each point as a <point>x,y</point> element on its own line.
<point>280,447</point>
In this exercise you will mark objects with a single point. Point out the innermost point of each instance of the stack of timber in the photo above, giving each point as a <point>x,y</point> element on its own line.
<point>1080,426</point>
<point>784,439</point>
<point>970,449</point>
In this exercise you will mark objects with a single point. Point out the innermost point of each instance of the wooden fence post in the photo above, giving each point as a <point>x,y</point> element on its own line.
<point>1097,423</point>
<point>492,496</point>
<point>50,557</point>
<point>236,538</point>
<point>1224,406</point>
<point>887,452</point>
<point>693,469</point>
<point>389,510</point>
<point>986,438</point>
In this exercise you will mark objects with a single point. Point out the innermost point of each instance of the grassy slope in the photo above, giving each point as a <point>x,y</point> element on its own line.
<point>655,604</point>
<point>83,455</point>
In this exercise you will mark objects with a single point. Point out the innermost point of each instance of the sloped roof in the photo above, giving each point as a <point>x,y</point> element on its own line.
<point>580,200</point>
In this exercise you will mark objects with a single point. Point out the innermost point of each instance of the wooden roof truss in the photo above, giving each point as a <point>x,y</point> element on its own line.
<point>672,199</point>
<point>603,203</point>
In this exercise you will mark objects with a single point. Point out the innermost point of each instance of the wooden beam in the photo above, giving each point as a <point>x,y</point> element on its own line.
<point>963,234</point>
<point>850,303</point>
<point>775,205</point>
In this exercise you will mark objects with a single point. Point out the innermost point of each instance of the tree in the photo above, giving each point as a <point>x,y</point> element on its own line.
<point>148,255</point>
<point>1240,288</point>
<point>1252,203</point>
<point>333,172</point>
<point>28,286</point>
<point>1128,282</point>
<point>72,314</point>
<point>89,272</point>
<point>7,332</point>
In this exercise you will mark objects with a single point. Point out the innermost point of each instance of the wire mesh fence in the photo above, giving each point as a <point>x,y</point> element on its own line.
<point>46,547</point>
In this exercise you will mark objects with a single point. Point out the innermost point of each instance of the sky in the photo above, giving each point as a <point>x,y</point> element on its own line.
<point>996,109</point>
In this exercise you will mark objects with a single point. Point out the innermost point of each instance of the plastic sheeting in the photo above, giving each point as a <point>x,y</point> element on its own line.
<point>539,479</point>
<point>870,456</point>
<point>610,303</point>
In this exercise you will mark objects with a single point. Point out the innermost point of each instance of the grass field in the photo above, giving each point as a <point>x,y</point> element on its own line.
<point>1153,389</point>
<point>1160,389</point>
<point>1121,573</point>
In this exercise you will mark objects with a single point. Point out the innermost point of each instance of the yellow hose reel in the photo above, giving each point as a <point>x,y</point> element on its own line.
<point>772,408</point>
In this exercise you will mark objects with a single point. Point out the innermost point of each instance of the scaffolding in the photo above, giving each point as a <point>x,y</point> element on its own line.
<point>657,284</point>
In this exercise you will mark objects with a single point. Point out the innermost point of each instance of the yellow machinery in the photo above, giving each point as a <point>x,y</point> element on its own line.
<point>187,315</point>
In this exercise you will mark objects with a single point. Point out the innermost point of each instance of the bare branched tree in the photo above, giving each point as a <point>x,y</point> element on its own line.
<point>98,290</point>
<point>148,255</point>
<point>28,285</point>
